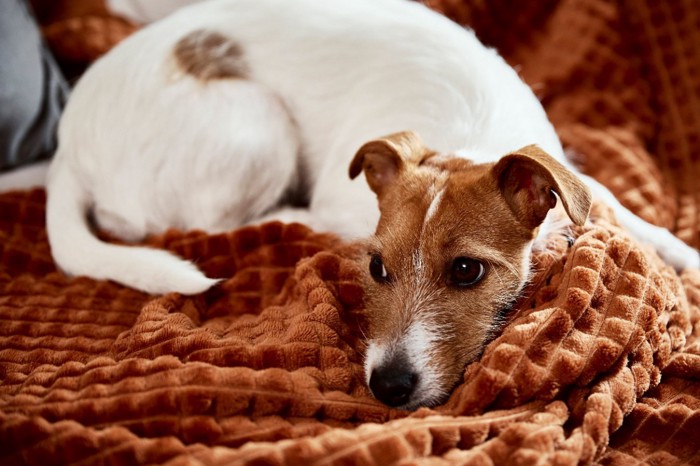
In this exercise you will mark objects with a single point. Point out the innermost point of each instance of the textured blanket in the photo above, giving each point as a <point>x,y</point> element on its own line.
<point>599,363</point>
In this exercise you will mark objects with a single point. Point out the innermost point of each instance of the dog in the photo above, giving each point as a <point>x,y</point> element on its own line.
<point>231,112</point>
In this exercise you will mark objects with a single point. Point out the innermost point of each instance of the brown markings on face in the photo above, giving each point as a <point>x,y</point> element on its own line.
<point>418,244</point>
<point>208,55</point>
<point>424,325</point>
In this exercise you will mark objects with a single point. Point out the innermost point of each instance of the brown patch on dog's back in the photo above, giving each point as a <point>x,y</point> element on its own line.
<point>210,55</point>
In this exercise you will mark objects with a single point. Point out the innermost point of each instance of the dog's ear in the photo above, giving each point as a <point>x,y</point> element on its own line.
<point>528,179</point>
<point>383,159</point>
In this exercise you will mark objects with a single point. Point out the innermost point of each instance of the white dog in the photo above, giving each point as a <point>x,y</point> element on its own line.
<point>224,112</point>
<point>220,114</point>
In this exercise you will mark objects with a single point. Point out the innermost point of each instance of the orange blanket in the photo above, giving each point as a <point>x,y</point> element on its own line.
<point>600,361</point>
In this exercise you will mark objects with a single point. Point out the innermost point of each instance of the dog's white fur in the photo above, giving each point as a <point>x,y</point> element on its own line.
<point>149,147</point>
<point>146,146</point>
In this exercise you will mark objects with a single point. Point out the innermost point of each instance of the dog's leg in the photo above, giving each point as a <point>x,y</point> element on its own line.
<point>226,155</point>
<point>346,207</point>
<point>671,249</point>
<point>351,216</point>
<point>336,203</point>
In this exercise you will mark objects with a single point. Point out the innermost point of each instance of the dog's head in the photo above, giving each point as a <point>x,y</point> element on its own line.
<point>450,254</point>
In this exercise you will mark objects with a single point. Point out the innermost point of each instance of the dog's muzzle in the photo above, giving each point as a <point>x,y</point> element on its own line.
<point>394,381</point>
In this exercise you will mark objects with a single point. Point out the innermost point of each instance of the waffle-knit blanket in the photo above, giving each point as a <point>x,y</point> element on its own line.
<point>600,361</point>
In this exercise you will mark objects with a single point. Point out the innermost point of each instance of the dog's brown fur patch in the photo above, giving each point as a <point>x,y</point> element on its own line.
<point>436,208</point>
<point>208,55</point>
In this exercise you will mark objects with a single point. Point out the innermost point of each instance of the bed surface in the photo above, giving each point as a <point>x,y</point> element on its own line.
<point>600,362</point>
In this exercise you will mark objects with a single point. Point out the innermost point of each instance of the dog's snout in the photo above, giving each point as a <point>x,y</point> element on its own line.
<point>393,383</point>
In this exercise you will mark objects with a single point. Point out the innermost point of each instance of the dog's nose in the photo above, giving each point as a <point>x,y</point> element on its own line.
<point>393,384</point>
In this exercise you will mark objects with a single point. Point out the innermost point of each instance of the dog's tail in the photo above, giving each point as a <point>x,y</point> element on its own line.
<point>78,252</point>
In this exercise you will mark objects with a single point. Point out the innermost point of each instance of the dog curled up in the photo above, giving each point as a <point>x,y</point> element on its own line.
<point>215,116</point>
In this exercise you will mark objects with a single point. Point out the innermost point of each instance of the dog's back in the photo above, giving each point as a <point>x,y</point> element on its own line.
<point>157,142</point>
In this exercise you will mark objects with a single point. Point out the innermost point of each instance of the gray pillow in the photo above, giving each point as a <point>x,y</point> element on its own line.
<point>32,89</point>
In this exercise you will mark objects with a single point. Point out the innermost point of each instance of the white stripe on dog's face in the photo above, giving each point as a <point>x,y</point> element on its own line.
<point>434,206</point>
<point>418,262</point>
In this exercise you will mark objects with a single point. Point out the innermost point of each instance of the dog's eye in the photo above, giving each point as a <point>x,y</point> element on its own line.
<point>377,269</point>
<point>466,272</point>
